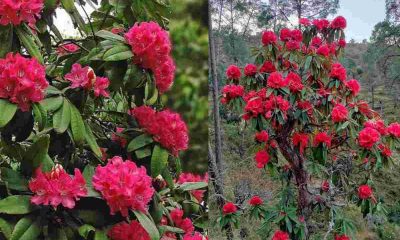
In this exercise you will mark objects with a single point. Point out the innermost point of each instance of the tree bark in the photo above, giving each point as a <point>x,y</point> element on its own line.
<point>215,93</point>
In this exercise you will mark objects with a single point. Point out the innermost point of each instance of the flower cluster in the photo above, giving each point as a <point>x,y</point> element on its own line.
<point>85,78</point>
<point>268,37</point>
<point>250,70</point>
<point>262,136</point>
<point>394,129</point>
<point>280,235</point>
<point>231,91</point>
<point>17,12</point>
<point>368,137</point>
<point>295,83</point>
<point>183,223</point>
<point>322,138</point>
<point>190,177</point>
<point>339,113</point>
<point>342,237</point>
<point>364,192</point>
<point>67,49</point>
<point>292,38</point>
<point>275,80</point>
<point>256,201</point>
<point>233,72</point>
<point>338,72</point>
<point>22,80</point>
<point>300,140</point>
<point>57,187</point>
<point>261,158</point>
<point>229,208</point>
<point>132,230</point>
<point>152,49</point>
<point>166,127</point>
<point>353,86</point>
<point>123,185</point>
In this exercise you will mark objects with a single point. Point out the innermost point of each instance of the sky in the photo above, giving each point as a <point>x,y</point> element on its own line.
<point>361,15</point>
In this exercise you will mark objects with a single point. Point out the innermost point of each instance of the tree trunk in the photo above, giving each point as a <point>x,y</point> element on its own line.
<point>215,93</point>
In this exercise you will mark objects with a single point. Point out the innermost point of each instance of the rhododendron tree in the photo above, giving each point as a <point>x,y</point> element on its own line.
<point>308,118</point>
<point>87,148</point>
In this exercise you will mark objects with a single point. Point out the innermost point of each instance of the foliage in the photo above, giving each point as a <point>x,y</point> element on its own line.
<point>314,119</point>
<point>56,136</point>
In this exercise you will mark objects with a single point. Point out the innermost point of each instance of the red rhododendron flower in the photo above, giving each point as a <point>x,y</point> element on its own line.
<point>57,187</point>
<point>305,106</point>
<point>339,113</point>
<point>22,80</point>
<point>229,208</point>
<point>394,129</point>
<point>117,30</point>
<point>262,136</point>
<point>233,72</point>
<point>268,37</point>
<point>85,77</point>
<point>277,102</point>
<point>256,201</point>
<point>342,43</point>
<point>280,235</point>
<point>194,236</point>
<point>353,86</point>
<point>342,237</point>
<point>268,67</point>
<point>292,45</point>
<point>123,185</point>
<point>118,139</point>
<point>184,223</point>
<point>250,70</point>
<point>166,127</point>
<point>364,192</point>
<point>16,12</point>
<point>124,231</point>
<point>285,34</point>
<point>300,140</point>
<point>152,49</point>
<point>325,186</point>
<point>339,23</point>
<point>368,137</point>
<point>338,72</point>
<point>385,150</point>
<point>296,35</point>
<point>67,49</point>
<point>378,125</point>
<point>295,84</point>
<point>262,158</point>
<point>275,80</point>
<point>320,24</point>
<point>304,22</point>
<point>323,50</point>
<point>232,91</point>
<point>190,177</point>
<point>322,137</point>
<point>254,107</point>
<point>316,41</point>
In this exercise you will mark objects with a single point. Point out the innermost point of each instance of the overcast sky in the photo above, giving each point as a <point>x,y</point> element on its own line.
<point>361,15</point>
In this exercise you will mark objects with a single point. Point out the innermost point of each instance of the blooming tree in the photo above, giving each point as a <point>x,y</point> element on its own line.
<point>87,149</point>
<point>308,122</point>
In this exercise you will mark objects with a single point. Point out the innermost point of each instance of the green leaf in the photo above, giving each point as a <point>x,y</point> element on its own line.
<point>118,53</point>
<point>62,118</point>
<point>52,104</point>
<point>51,90</point>
<point>16,204</point>
<point>77,126</point>
<point>307,63</point>
<point>110,36</point>
<point>148,225</point>
<point>5,228</point>
<point>29,43</point>
<point>91,140</point>
<point>143,152</point>
<point>188,186</point>
<point>40,115</point>
<point>6,39</point>
<point>13,179</point>
<point>88,173</point>
<point>159,160</point>
<point>36,156</point>
<point>139,142</point>
<point>100,235</point>
<point>85,230</point>
<point>8,111</point>
<point>26,229</point>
